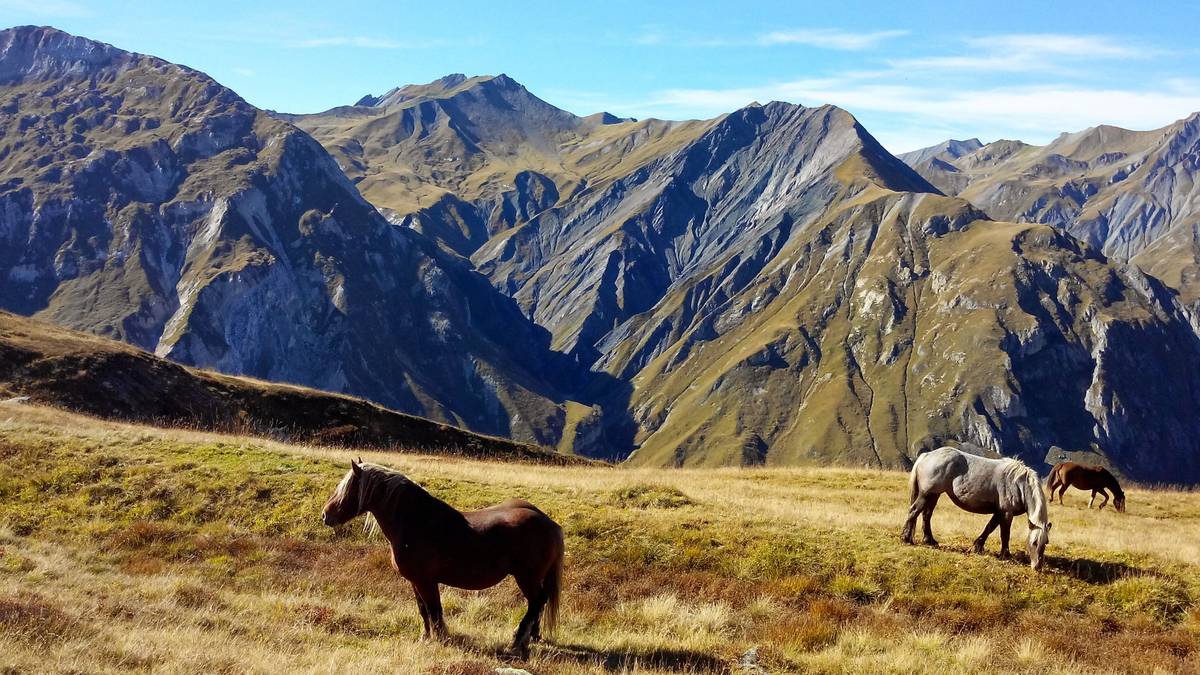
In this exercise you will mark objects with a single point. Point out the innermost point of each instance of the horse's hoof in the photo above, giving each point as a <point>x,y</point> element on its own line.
<point>931,542</point>
<point>1005,555</point>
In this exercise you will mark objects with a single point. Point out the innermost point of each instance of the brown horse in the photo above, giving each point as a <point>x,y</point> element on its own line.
<point>433,543</point>
<point>1085,477</point>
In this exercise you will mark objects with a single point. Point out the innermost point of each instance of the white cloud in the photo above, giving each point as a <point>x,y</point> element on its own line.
<point>51,8</point>
<point>829,38</point>
<point>244,72</point>
<point>823,38</point>
<point>1025,52</point>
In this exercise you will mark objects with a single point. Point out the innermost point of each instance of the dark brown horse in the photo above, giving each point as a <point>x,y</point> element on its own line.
<point>1086,477</point>
<point>433,543</point>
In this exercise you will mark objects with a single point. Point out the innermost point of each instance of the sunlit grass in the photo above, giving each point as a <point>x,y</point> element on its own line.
<point>133,548</point>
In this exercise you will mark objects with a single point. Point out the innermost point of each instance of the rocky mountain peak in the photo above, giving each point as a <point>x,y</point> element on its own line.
<point>43,51</point>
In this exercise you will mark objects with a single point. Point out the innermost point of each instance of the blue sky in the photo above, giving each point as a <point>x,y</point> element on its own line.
<point>913,73</point>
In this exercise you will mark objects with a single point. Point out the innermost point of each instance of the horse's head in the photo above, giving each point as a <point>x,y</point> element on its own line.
<point>346,503</point>
<point>1119,502</point>
<point>1038,538</point>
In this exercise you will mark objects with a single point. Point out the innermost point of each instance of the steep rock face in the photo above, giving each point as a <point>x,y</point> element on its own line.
<point>141,200</point>
<point>584,268</point>
<point>901,322</point>
<point>1133,194</point>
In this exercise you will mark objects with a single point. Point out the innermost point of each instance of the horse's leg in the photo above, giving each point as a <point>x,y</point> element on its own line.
<point>914,510</point>
<point>1105,495</point>
<point>428,590</point>
<point>1092,500</point>
<point>535,595</point>
<point>1005,528</point>
<point>927,512</point>
<point>424,611</point>
<point>997,518</point>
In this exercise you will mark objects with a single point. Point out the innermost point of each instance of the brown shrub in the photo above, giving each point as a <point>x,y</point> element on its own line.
<point>32,618</point>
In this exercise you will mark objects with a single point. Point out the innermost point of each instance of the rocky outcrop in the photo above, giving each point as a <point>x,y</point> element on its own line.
<point>141,200</point>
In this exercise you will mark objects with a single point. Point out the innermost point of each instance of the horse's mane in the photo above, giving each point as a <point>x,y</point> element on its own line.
<point>1035,500</point>
<point>388,487</point>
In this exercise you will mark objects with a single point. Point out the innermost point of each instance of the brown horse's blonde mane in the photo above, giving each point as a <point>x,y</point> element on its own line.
<point>378,482</point>
<point>389,483</point>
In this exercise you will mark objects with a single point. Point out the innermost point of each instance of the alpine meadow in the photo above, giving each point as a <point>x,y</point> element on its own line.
<point>444,378</point>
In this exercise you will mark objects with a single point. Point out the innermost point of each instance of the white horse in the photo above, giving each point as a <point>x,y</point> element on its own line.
<point>1001,487</point>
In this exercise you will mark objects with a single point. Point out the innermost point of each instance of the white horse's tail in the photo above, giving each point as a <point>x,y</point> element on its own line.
<point>913,488</point>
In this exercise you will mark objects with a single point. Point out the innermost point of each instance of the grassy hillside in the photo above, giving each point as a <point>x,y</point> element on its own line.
<point>133,548</point>
<point>53,365</point>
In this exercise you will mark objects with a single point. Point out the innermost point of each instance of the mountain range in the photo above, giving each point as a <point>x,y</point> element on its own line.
<point>768,286</point>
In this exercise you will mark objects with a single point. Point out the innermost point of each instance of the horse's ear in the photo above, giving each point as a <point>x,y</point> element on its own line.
<point>356,468</point>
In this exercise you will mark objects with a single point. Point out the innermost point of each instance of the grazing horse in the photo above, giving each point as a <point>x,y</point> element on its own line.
<point>433,543</point>
<point>1086,477</point>
<point>1001,487</point>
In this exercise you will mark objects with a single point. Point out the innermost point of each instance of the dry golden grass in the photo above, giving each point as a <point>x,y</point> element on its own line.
<point>134,548</point>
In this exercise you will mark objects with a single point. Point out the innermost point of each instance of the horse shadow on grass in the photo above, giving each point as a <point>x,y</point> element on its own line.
<point>1089,571</point>
<point>613,660</point>
<point>1095,571</point>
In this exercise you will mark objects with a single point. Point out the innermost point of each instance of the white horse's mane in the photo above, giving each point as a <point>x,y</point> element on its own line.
<point>1035,499</point>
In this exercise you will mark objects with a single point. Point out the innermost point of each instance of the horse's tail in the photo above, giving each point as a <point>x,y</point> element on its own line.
<point>552,585</point>
<point>1053,481</point>
<point>913,488</point>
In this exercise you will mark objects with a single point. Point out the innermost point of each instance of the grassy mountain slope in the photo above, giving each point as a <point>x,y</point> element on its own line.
<point>211,556</point>
<point>76,371</point>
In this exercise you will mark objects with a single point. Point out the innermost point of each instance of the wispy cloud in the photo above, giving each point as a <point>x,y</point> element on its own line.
<point>63,9</point>
<point>829,38</point>
<point>1025,52</point>
<point>244,72</point>
<point>821,38</point>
